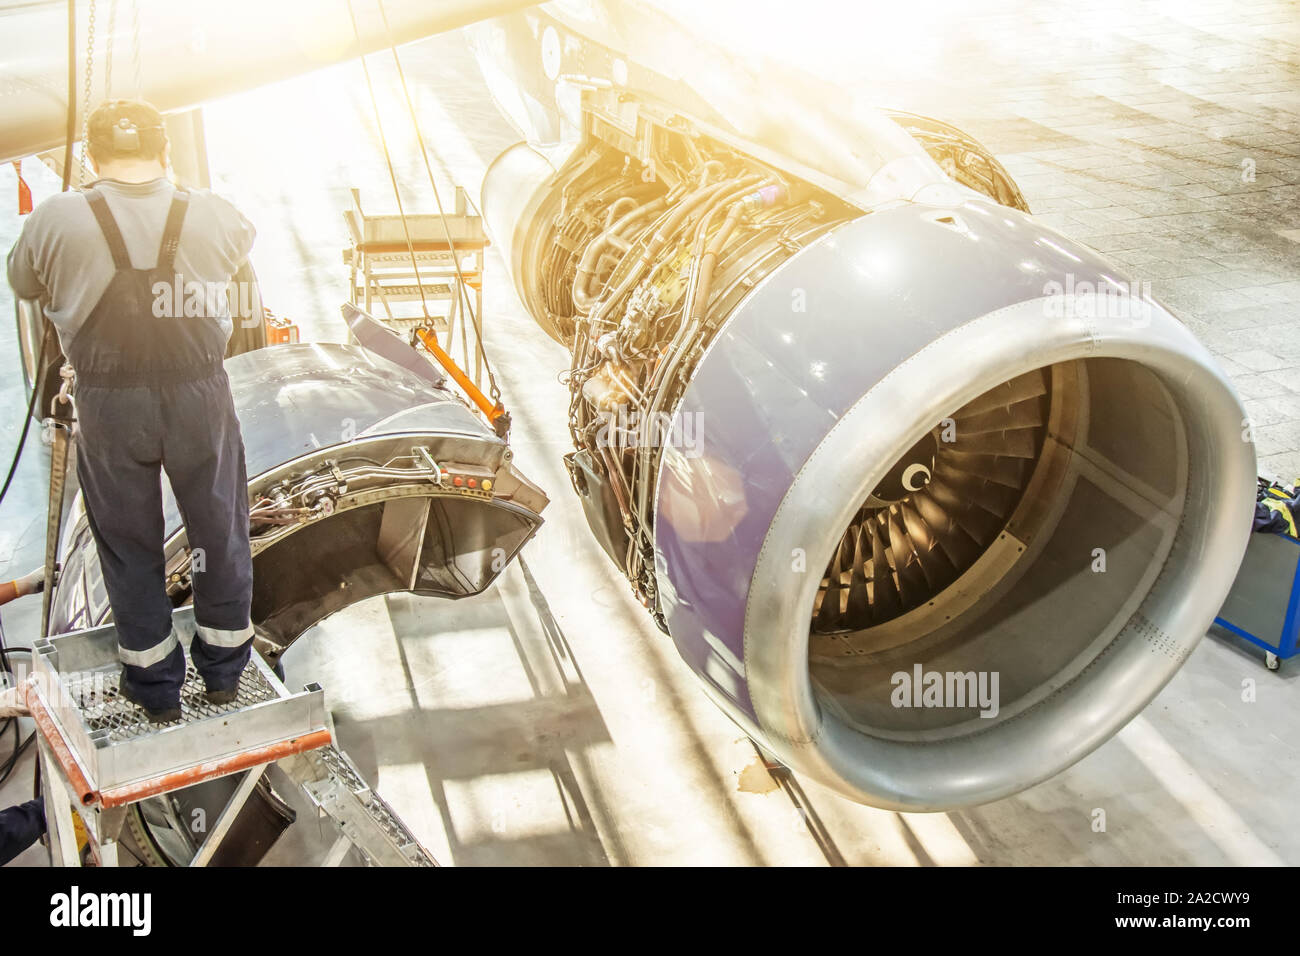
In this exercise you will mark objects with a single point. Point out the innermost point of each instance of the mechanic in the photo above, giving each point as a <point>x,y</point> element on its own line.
<point>151,394</point>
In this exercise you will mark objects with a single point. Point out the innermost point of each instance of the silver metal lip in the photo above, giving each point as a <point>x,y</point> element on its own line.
<point>1081,715</point>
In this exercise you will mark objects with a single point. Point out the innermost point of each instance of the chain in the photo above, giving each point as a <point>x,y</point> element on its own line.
<point>388,159</point>
<point>85,106</point>
<point>135,46</point>
<point>108,48</point>
<point>493,388</point>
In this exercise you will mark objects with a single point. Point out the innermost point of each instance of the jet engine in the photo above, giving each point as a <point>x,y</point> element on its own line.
<point>931,498</point>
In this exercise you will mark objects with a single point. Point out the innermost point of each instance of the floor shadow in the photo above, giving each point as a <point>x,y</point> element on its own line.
<point>498,748</point>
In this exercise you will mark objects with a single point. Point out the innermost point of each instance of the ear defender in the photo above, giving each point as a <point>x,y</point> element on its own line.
<point>126,137</point>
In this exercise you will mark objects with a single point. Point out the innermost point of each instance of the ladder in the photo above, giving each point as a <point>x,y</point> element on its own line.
<point>386,271</point>
<point>99,755</point>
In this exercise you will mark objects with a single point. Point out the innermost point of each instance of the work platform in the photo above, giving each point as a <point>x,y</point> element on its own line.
<point>100,756</point>
<point>430,259</point>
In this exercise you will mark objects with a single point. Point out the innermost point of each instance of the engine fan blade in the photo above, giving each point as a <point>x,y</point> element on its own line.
<point>1021,443</point>
<point>980,525</point>
<point>957,492</point>
<point>938,570</point>
<point>1018,389</point>
<point>829,614</point>
<point>1026,414</point>
<point>884,592</point>
<point>1009,472</point>
<point>858,608</point>
<point>912,586</point>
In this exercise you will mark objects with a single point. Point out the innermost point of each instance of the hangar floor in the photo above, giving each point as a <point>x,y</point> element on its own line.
<point>547,721</point>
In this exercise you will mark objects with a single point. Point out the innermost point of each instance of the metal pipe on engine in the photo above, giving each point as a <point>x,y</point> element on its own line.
<point>657,242</point>
<point>583,298</point>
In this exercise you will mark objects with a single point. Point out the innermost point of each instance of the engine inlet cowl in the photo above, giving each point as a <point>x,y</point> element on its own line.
<point>1039,498</point>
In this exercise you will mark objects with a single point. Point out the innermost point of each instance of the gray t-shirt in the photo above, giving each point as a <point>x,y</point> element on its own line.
<point>63,258</point>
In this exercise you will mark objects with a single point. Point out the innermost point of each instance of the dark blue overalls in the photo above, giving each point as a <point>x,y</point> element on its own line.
<point>152,394</point>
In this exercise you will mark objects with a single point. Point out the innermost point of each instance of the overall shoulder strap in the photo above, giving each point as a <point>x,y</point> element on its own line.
<point>108,226</point>
<point>171,238</point>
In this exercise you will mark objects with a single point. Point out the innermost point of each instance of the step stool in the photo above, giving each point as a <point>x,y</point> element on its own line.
<point>99,754</point>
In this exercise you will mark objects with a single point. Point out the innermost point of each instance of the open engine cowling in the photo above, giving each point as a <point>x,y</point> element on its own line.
<point>352,459</point>
<point>936,442</point>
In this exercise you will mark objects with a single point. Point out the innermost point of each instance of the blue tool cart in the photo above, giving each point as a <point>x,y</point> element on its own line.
<point>1264,604</point>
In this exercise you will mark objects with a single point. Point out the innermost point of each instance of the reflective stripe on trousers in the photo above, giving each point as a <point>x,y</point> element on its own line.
<point>219,637</point>
<point>214,636</point>
<point>150,655</point>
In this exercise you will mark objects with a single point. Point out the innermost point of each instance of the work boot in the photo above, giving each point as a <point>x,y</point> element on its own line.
<point>220,697</point>
<point>156,715</point>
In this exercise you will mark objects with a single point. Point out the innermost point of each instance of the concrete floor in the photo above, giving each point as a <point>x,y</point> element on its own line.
<point>548,721</point>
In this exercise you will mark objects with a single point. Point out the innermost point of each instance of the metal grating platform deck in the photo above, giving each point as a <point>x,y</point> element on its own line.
<point>105,710</point>
<point>342,770</point>
<point>119,752</point>
<point>101,754</point>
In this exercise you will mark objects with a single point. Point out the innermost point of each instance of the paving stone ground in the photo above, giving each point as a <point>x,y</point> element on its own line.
<point>1165,135</point>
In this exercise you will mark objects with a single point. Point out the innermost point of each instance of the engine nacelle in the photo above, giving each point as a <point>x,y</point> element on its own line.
<point>940,500</point>
<point>1079,502</point>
